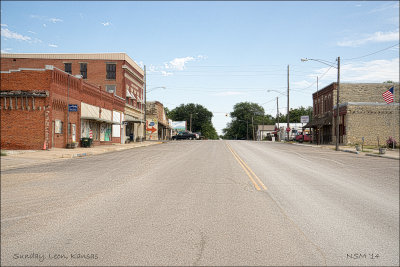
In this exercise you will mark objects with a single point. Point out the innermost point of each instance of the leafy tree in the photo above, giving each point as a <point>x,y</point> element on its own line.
<point>245,117</point>
<point>201,119</point>
<point>296,113</point>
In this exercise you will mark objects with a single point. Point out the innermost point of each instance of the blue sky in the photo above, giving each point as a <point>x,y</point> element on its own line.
<point>219,53</point>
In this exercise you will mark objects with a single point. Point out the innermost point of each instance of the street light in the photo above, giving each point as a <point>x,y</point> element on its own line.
<point>337,91</point>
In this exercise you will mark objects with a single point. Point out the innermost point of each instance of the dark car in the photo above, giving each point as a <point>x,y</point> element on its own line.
<point>300,138</point>
<point>184,136</point>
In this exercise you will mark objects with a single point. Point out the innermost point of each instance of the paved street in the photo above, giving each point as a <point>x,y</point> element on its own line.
<point>203,203</point>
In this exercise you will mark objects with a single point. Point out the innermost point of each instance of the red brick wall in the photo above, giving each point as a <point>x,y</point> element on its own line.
<point>96,69</point>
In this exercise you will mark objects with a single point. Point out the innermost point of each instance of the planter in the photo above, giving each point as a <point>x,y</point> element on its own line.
<point>72,145</point>
<point>358,147</point>
<point>382,150</point>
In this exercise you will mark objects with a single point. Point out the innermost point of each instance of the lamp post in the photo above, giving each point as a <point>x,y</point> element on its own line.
<point>337,91</point>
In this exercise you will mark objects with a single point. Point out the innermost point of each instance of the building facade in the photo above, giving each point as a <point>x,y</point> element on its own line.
<point>46,108</point>
<point>157,123</point>
<point>115,73</point>
<point>364,116</point>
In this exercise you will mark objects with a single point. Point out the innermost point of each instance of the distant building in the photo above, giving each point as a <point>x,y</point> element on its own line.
<point>157,123</point>
<point>363,114</point>
<point>265,132</point>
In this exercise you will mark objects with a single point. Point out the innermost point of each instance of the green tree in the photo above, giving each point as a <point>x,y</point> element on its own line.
<point>246,116</point>
<point>296,113</point>
<point>201,119</point>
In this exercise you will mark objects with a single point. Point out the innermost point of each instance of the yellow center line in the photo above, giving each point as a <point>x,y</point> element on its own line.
<point>254,175</point>
<point>247,169</point>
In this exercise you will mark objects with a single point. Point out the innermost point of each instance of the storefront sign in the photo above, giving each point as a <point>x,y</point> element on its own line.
<point>72,108</point>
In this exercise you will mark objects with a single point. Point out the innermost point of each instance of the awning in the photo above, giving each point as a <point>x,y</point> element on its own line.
<point>319,122</point>
<point>129,118</point>
<point>96,119</point>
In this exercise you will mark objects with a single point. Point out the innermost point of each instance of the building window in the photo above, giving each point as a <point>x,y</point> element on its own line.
<point>111,71</point>
<point>68,67</point>
<point>111,88</point>
<point>84,70</point>
<point>58,126</point>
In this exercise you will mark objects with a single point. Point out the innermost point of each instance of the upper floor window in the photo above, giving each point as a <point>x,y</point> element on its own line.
<point>84,70</point>
<point>111,71</point>
<point>68,67</point>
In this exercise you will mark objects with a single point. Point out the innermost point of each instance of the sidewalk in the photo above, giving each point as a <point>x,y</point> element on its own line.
<point>24,158</point>
<point>390,154</point>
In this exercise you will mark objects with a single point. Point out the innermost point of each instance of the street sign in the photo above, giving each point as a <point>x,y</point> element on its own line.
<point>304,119</point>
<point>288,129</point>
<point>72,108</point>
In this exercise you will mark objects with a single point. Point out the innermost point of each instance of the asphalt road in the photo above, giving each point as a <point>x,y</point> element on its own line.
<point>204,203</point>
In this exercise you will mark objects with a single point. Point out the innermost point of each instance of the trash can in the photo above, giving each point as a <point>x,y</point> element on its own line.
<point>131,138</point>
<point>86,142</point>
<point>90,142</point>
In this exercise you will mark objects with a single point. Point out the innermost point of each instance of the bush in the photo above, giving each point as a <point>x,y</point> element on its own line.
<point>390,142</point>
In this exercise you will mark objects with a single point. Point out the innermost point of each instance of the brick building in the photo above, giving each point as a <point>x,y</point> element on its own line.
<point>35,115</point>
<point>157,123</point>
<point>362,111</point>
<point>115,73</point>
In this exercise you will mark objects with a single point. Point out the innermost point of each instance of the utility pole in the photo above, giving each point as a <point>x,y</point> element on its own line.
<point>247,130</point>
<point>145,105</point>
<point>277,118</point>
<point>191,121</point>
<point>252,124</point>
<point>337,104</point>
<point>288,103</point>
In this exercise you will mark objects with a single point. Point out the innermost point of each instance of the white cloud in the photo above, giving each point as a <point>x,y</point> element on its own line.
<point>5,50</point>
<point>106,23</point>
<point>3,25</point>
<point>13,35</point>
<point>53,45</point>
<point>376,37</point>
<point>164,73</point>
<point>370,71</point>
<point>44,25</point>
<point>55,20</point>
<point>178,63</point>
<point>228,93</point>
<point>385,7</point>
<point>32,32</point>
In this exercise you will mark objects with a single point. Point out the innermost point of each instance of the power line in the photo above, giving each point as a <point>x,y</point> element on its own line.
<point>373,53</point>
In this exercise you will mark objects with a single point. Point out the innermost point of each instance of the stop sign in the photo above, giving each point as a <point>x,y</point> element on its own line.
<point>287,129</point>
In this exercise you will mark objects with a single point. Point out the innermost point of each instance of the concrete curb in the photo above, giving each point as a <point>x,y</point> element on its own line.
<point>381,156</point>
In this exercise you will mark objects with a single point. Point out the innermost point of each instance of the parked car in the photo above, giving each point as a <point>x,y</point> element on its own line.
<point>184,136</point>
<point>198,135</point>
<point>300,138</point>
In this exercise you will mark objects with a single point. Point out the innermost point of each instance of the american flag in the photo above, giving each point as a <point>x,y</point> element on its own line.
<point>388,96</point>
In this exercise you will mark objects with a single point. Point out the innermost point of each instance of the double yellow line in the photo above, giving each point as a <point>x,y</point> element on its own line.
<point>248,171</point>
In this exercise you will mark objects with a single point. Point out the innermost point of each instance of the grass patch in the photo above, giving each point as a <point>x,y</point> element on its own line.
<point>3,153</point>
<point>366,150</point>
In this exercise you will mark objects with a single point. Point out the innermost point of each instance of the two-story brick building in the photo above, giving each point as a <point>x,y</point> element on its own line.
<point>115,73</point>
<point>46,108</point>
<point>363,113</point>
